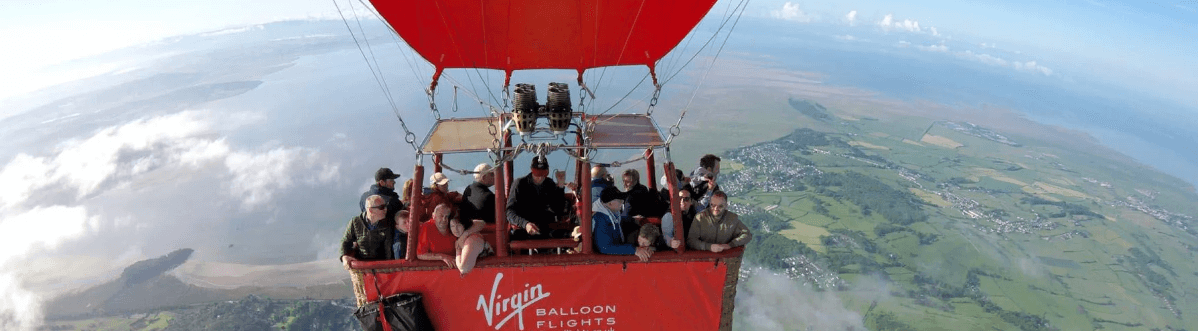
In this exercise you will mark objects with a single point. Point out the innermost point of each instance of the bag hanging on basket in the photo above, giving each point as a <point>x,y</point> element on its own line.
<point>368,315</point>
<point>405,312</point>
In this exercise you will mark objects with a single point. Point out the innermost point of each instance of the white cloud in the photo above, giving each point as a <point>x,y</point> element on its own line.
<point>256,177</point>
<point>1031,66</point>
<point>851,17</point>
<point>933,48</point>
<point>904,43</point>
<point>791,12</point>
<point>20,308</point>
<point>984,58</point>
<point>888,23</point>
<point>55,189</point>
<point>775,302</point>
<point>846,37</point>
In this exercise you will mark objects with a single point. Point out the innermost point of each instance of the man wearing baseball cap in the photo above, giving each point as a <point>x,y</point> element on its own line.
<point>384,186</point>
<point>534,202</point>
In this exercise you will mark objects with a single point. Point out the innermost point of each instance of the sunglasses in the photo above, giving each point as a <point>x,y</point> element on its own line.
<point>382,207</point>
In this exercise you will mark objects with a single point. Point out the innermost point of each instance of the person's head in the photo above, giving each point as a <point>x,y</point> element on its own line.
<point>484,175</point>
<point>539,169</point>
<point>613,199</point>
<point>599,172</point>
<point>407,190</point>
<point>439,182</point>
<point>711,163</point>
<point>441,216</point>
<point>665,181</point>
<point>719,203</point>
<point>376,208</point>
<point>631,178</point>
<point>385,178</point>
<point>684,200</point>
<point>401,220</point>
<point>456,228</point>
<point>648,235</point>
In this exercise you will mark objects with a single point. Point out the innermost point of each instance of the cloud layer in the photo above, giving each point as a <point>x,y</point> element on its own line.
<point>135,163</point>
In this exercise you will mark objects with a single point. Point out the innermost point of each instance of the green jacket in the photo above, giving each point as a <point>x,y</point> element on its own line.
<point>365,244</point>
<point>708,230</point>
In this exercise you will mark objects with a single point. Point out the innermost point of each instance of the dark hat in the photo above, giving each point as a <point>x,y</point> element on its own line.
<point>539,162</point>
<point>611,193</point>
<point>384,173</point>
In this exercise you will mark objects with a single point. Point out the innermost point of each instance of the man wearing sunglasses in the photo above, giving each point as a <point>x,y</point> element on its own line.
<point>368,236</point>
<point>716,229</point>
<point>687,205</point>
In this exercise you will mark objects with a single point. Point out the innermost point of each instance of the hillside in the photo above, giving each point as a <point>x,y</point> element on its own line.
<point>172,281</point>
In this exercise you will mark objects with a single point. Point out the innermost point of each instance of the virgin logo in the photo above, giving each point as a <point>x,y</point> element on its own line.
<point>513,305</point>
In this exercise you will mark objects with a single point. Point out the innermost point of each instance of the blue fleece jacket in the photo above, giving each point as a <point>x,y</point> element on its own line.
<point>609,239</point>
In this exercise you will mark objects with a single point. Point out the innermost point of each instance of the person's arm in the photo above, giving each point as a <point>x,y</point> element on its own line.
<point>557,200</point>
<point>667,227</point>
<point>512,217</point>
<point>348,240</point>
<point>475,227</point>
<point>347,245</point>
<point>606,239</point>
<point>422,250</point>
<point>742,235</point>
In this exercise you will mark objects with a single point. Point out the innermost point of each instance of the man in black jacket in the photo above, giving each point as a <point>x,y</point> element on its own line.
<point>384,186</point>
<point>641,202</point>
<point>534,202</point>
<point>478,202</point>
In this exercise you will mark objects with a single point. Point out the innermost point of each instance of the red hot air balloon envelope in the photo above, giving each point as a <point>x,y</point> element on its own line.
<point>513,35</point>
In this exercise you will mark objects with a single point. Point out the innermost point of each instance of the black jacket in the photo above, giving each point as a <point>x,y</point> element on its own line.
<point>478,202</point>
<point>392,198</point>
<point>539,204</point>
<point>643,202</point>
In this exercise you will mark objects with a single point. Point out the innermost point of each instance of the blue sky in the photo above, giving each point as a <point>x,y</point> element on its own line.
<point>1144,46</point>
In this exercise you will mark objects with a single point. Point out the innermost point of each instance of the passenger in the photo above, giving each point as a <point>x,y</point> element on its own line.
<point>717,229</point>
<point>384,186</point>
<point>368,235</point>
<point>478,202</point>
<point>641,203</point>
<point>664,193</point>
<point>535,202</point>
<point>407,192</point>
<point>649,235</point>
<point>607,229</point>
<point>703,180</point>
<point>687,205</point>
<point>399,244</point>
<point>600,180</point>
<point>438,194</point>
<point>444,239</point>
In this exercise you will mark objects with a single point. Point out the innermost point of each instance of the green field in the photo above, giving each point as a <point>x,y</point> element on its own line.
<point>972,231</point>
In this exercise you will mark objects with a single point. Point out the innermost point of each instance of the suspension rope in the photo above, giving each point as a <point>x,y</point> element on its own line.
<point>409,137</point>
<point>742,5</point>
<point>676,129</point>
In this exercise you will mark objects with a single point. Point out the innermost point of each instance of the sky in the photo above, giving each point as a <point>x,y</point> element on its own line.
<point>1142,46</point>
